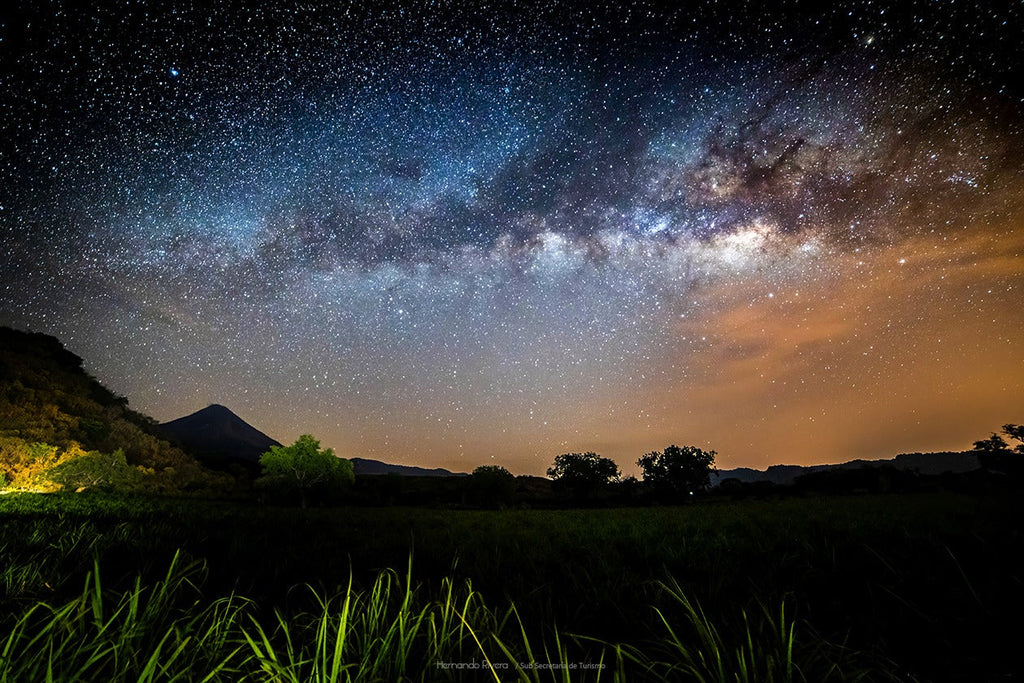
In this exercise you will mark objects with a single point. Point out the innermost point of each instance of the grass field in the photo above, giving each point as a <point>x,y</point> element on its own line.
<point>907,587</point>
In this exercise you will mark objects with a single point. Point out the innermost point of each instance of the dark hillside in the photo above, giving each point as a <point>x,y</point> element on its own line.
<point>46,397</point>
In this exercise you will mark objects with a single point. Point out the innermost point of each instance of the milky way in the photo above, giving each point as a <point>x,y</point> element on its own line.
<point>451,234</point>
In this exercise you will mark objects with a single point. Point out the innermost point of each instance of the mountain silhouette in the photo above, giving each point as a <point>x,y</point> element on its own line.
<point>922,463</point>
<point>219,437</point>
<point>363,466</point>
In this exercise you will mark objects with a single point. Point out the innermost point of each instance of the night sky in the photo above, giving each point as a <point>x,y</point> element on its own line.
<point>453,234</point>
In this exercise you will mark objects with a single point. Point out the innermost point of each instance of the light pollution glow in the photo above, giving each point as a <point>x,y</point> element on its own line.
<point>477,235</point>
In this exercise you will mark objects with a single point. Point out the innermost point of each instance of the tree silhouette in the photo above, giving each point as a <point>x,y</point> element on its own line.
<point>993,444</point>
<point>678,470</point>
<point>994,453</point>
<point>492,486</point>
<point>582,474</point>
<point>305,470</point>
<point>1015,432</point>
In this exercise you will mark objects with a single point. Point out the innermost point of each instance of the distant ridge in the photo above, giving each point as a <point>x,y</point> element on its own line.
<point>922,463</point>
<point>364,466</point>
<point>218,436</point>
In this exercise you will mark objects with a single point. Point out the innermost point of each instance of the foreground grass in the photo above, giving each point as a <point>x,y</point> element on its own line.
<point>390,632</point>
<point>816,589</point>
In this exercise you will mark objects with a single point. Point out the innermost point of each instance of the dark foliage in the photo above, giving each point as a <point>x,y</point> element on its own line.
<point>996,454</point>
<point>491,486</point>
<point>677,471</point>
<point>884,479</point>
<point>582,475</point>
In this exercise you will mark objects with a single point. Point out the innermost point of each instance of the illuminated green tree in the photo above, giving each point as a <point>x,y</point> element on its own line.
<point>79,469</point>
<point>305,470</point>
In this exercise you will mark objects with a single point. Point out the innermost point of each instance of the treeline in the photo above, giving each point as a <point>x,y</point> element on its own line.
<point>304,474</point>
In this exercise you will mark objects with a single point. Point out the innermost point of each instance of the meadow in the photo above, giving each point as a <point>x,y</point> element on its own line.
<point>859,587</point>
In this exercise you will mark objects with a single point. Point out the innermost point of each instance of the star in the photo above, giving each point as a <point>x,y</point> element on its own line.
<point>433,226</point>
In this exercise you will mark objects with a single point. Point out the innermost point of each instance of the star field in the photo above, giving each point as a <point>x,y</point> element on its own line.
<point>449,234</point>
